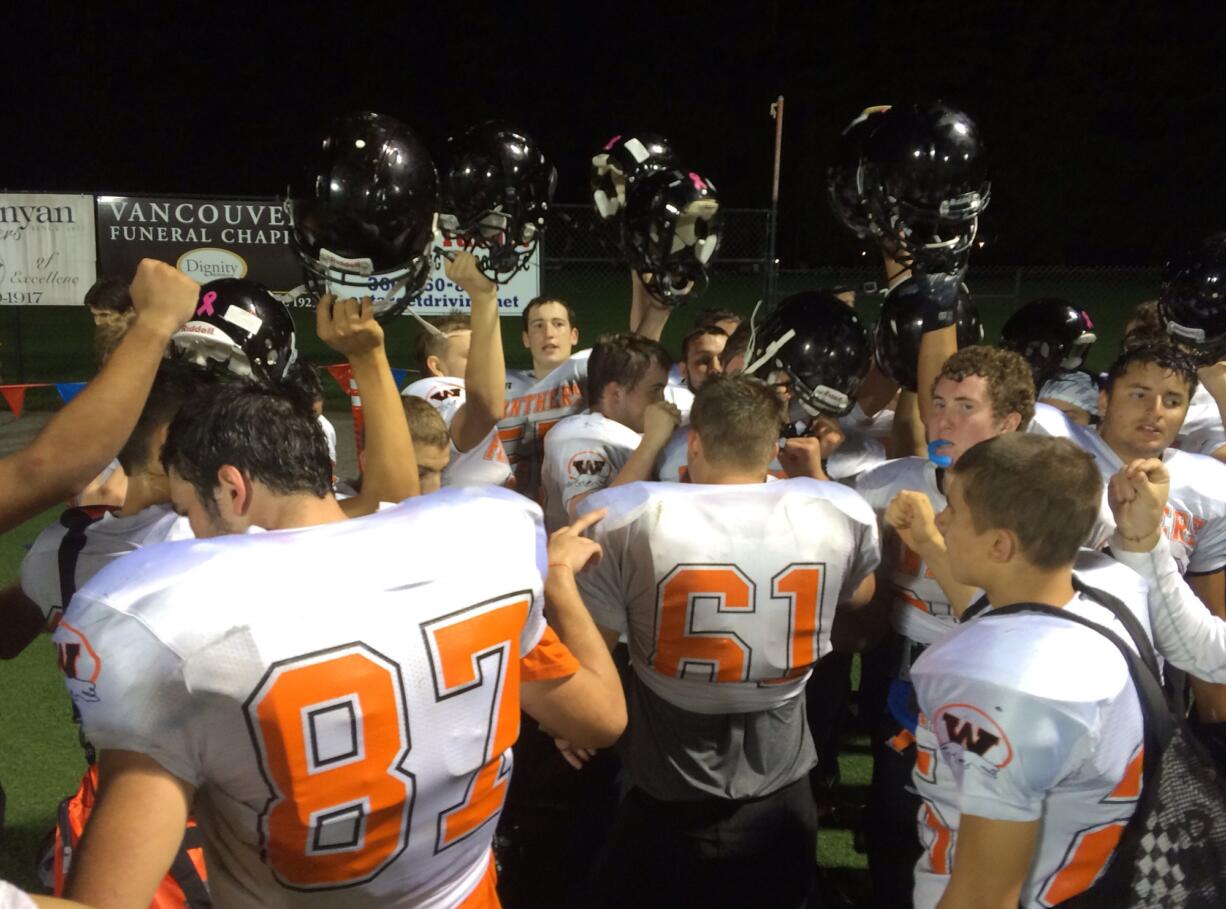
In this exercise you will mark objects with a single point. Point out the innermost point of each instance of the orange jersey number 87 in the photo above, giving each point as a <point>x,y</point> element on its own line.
<point>331,731</point>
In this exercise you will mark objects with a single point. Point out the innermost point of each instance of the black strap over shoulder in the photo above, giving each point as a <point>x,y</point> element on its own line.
<point>1142,664</point>
<point>76,521</point>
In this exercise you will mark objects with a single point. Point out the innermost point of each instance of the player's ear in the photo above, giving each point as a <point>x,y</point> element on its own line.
<point>693,447</point>
<point>574,336</point>
<point>435,365</point>
<point>1102,402</point>
<point>156,443</point>
<point>1012,422</point>
<point>524,337</point>
<point>1003,546</point>
<point>233,491</point>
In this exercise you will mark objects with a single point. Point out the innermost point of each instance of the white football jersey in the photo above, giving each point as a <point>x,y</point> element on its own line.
<point>330,437</point>
<point>728,584</point>
<point>920,609</point>
<point>1195,515</point>
<point>1202,431</point>
<point>583,453</point>
<point>348,733</point>
<point>682,398</point>
<point>533,407</point>
<point>96,546</point>
<point>1029,717</point>
<point>487,463</point>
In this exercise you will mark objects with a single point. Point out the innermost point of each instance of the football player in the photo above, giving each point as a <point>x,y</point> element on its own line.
<point>70,552</point>
<point>1143,406</point>
<point>619,438</point>
<point>465,379</point>
<point>981,392</point>
<point>80,440</point>
<point>344,736</point>
<point>1029,745</point>
<point>724,627</point>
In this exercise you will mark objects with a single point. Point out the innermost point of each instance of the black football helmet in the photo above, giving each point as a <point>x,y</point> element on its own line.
<point>1193,301</point>
<point>671,233</point>
<point>820,342</point>
<point>622,161</point>
<point>1051,334</point>
<point>842,185</point>
<point>497,187</point>
<point>239,326</point>
<point>903,317</point>
<point>364,224</point>
<point>923,182</point>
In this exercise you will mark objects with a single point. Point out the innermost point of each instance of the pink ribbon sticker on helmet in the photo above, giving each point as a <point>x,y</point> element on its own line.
<point>611,142</point>
<point>1085,317</point>
<point>697,181</point>
<point>206,304</point>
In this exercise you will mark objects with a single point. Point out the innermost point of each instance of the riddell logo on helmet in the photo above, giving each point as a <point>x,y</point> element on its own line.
<point>207,263</point>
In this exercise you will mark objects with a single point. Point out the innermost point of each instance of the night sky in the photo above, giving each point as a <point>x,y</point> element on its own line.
<point>1103,126</point>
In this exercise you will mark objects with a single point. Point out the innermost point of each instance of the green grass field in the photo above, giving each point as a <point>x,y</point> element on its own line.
<point>40,761</point>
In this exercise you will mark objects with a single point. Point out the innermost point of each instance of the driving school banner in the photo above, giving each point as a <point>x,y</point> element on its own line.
<point>46,249</point>
<point>208,239</point>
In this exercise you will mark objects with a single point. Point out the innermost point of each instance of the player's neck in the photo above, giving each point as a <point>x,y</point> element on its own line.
<point>541,369</point>
<point>702,472</point>
<point>144,489</point>
<point>1123,452</point>
<point>1024,583</point>
<point>294,511</point>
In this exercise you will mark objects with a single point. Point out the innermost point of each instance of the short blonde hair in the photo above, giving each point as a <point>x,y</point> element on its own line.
<point>738,420</point>
<point>425,424</point>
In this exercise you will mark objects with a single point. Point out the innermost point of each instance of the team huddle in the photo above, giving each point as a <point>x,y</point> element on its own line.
<point>584,647</point>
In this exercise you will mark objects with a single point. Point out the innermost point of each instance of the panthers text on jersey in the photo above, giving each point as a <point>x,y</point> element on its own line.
<point>533,407</point>
<point>583,453</point>
<point>1195,515</point>
<point>89,546</point>
<point>1031,718</point>
<point>487,463</point>
<point>348,733</point>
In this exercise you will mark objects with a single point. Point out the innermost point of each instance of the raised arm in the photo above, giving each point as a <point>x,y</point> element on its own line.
<point>587,709</point>
<point>647,316</point>
<point>910,514</point>
<point>349,327</point>
<point>85,436</point>
<point>485,376</point>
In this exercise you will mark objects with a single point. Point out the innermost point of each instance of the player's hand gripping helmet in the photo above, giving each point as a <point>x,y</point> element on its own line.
<point>364,224</point>
<point>1051,334</point>
<point>497,187</point>
<point>624,160</point>
<point>923,182</point>
<point>820,342</point>
<point>1193,301</point>
<point>842,176</point>
<point>239,326</point>
<point>908,312</point>
<point>671,233</point>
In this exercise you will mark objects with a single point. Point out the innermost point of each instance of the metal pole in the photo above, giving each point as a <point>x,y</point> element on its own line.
<point>772,223</point>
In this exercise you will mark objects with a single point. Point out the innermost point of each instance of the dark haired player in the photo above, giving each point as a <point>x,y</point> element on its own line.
<point>358,753</point>
<point>1143,407</point>
<point>619,438</point>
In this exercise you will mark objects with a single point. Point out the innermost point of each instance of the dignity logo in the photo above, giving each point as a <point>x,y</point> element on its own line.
<point>207,263</point>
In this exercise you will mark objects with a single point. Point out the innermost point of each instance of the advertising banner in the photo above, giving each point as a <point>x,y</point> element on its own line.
<point>208,239</point>
<point>46,249</point>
